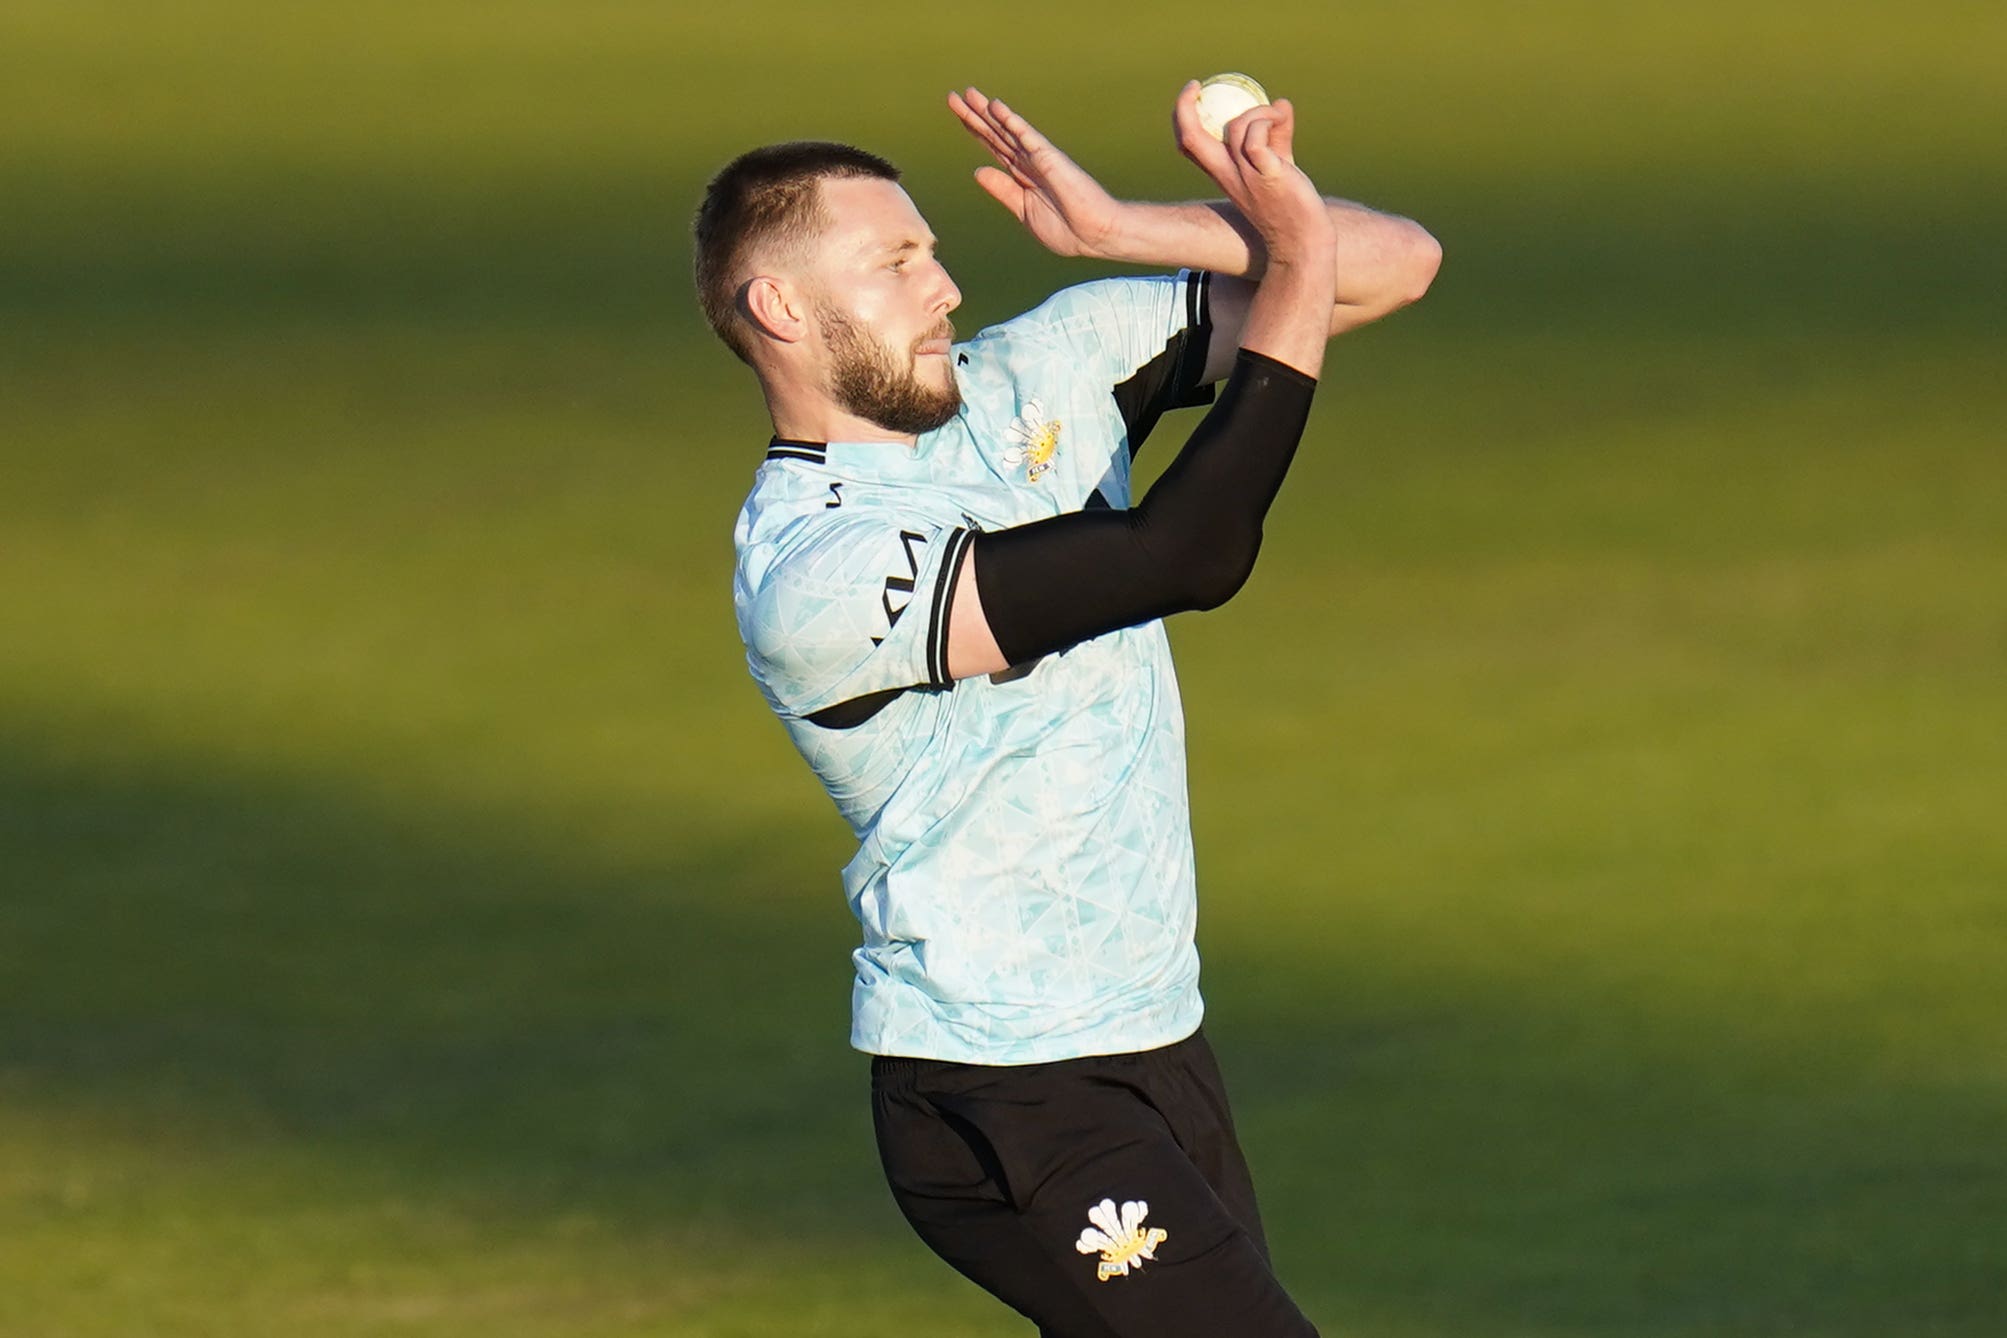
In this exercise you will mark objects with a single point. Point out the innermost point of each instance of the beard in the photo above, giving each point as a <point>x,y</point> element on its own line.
<point>867,378</point>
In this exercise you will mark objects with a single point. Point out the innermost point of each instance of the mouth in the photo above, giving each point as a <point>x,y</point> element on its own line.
<point>938,341</point>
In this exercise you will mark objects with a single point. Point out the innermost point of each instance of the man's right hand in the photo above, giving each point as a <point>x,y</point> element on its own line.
<point>1254,163</point>
<point>1289,316</point>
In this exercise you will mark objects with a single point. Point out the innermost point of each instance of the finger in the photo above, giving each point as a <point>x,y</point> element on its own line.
<point>1242,128</point>
<point>993,118</point>
<point>1233,135</point>
<point>1185,127</point>
<point>1002,188</point>
<point>984,107</point>
<point>1255,146</point>
<point>1202,148</point>
<point>1012,159</point>
<point>980,127</point>
<point>959,104</point>
<point>1019,130</point>
<point>1282,133</point>
<point>971,119</point>
<point>977,99</point>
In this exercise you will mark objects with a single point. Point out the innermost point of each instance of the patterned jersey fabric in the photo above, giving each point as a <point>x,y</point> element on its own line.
<point>1023,874</point>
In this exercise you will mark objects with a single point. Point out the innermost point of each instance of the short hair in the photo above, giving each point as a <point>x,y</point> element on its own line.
<point>769,196</point>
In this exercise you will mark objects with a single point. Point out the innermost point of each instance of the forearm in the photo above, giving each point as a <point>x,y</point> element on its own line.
<point>1190,544</point>
<point>1383,261</point>
<point>1192,540</point>
<point>1287,316</point>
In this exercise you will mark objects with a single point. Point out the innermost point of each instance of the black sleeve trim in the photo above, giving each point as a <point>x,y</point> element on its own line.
<point>851,714</point>
<point>1190,390</point>
<point>1198,296</point>
<point>1174,379</point>
<point>944,601</point>
<point>1190,544</point>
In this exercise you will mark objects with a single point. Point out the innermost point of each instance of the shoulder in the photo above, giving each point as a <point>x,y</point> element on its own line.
<point>841,606</point>
<point>1152,297</point>
<point>806,563</point>
<point>782,504</point>
<point>1102,329</point>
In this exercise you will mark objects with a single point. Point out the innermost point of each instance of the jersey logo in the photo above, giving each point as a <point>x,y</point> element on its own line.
<point>1036,438</point>
<point>1119,1238</point>
<point>896,584</point>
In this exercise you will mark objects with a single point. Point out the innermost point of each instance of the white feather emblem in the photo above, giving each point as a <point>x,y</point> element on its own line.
<point>1119,1238</point>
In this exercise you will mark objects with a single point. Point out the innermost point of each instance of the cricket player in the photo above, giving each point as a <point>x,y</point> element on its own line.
<point>953,603</point>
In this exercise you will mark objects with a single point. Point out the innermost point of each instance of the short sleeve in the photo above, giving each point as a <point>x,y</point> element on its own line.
<point>856,608</point>
<point>1146,338</point>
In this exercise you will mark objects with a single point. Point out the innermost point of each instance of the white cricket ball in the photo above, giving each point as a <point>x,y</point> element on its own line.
<point>1225,96</point>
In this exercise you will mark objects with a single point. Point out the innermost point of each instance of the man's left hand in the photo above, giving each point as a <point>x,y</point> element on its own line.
<point>1065,208</point>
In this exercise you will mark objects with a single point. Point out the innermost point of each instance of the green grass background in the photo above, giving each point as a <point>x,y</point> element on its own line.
<point>412,923</point>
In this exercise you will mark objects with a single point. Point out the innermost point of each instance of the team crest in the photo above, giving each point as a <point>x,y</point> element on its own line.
<point>1119,1237</point>
<point>1036,439</point>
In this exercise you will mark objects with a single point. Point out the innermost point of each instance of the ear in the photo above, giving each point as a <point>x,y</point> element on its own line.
<point>775,308</point>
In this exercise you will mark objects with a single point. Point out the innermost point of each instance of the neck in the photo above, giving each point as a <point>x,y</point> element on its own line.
<point>812,416</point>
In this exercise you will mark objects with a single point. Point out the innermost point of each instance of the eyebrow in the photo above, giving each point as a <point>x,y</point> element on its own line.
<point>895,248</point>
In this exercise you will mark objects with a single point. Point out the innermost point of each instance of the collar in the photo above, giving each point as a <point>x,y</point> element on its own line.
<point>865,459</point>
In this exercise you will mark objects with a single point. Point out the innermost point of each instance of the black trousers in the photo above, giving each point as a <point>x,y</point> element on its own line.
<point>1104,1197</point>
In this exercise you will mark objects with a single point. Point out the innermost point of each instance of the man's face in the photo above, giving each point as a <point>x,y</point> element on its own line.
<point>881,303</point>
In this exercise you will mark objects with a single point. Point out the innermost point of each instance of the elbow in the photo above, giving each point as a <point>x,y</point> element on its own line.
<point>1215,572</point>
<point>1410,268</point>
<point>1425,257</point>
<point>1421,256</point>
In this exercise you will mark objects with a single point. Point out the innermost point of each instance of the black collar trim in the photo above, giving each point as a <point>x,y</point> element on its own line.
<point>783,448</point>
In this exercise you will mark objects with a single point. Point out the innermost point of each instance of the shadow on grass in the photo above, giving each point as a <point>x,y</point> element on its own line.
<point>492,1018</point>
<point>490,1011</point>
<point>443,993</point>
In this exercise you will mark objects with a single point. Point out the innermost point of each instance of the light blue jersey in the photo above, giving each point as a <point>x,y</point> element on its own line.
<point>1024,868</point>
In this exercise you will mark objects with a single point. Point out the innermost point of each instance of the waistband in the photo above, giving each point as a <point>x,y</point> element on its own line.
<point>901,1071</point>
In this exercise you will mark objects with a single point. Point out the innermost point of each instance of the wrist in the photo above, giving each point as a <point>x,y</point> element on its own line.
<point>1151,232</point>
<point>1120,238</point>
<point>1301,261</point>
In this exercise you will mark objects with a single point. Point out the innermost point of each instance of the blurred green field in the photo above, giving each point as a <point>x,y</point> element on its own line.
<point>412,923</point>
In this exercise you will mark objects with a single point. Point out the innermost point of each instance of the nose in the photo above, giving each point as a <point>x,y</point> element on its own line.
<point>948,297</point>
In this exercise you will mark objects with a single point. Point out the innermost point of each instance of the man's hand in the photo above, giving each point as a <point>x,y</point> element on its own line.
<point>1383,262</point>
<point>1064,207</point>
<point>1254,163</point>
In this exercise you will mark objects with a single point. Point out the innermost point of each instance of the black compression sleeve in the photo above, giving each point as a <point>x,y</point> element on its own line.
<point>1190,544</point>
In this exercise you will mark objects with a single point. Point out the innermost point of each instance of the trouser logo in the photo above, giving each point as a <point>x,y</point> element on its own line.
<point>1119,1237</point>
